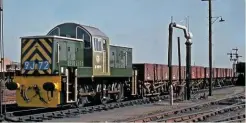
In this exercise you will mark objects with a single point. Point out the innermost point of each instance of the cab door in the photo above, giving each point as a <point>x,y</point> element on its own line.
<point>105,48</point>
<point>100,57</point>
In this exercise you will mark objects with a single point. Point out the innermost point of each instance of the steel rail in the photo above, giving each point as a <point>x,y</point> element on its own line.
<point>238,120</point>
<point>189,117</point>
<point>233,118</point>
<point>163,113</point>
<point>202,117</point>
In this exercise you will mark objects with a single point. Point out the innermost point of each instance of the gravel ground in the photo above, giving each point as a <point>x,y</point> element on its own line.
<point>132,111</point>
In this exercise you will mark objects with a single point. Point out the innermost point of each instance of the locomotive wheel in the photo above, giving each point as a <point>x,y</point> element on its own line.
<point>101,97</point>
<point>118,96</point>
<point>81,101</point>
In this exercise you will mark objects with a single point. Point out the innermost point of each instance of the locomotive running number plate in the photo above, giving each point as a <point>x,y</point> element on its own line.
<point>39,65</point>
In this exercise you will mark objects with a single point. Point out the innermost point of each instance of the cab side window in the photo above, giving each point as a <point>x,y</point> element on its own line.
<point>87,44</point>
<point>81,35</point>
<point>104,45</point>
<point>97,44</point>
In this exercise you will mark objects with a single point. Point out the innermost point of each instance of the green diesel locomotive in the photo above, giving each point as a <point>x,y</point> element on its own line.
<point>72,64</point>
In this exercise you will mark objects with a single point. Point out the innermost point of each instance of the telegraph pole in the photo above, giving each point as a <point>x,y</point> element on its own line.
<point>2,58</point>
<point>210,42</point>
<point>210,46</point>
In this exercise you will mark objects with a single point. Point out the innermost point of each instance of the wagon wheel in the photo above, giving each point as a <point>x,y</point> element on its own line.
<point>81,101</point>
<point>118,96</point>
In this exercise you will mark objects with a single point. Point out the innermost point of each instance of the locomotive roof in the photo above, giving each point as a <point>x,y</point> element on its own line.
<point>52,36</point>
<point>92,30</point>
<point>113,45</point>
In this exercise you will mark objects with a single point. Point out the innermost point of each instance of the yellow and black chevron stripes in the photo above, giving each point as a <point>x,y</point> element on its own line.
<point>36,50</point>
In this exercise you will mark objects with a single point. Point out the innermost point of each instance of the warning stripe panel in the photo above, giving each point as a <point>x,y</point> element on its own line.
<point>39,49</point>
<point>26,44</point>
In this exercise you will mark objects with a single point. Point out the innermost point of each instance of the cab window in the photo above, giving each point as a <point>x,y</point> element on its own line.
<point>104,45</point>
<point>87,44</point>
<point>97,44</point>
<point>80,34</point>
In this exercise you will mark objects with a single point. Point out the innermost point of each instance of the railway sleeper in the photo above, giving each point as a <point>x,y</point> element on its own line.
<point>14,119</point>
<point>36,119</point>
<point>238,120</point>
<point>9,114</point>
<point>220,111</point>
<point>236,117</point>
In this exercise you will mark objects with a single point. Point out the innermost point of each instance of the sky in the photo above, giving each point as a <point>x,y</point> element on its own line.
<point>139,24</point>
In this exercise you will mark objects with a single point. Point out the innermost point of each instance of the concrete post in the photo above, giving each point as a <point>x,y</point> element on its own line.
<point>171,94</point>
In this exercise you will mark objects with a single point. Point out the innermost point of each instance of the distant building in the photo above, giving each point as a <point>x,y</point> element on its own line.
<point>9,65</point>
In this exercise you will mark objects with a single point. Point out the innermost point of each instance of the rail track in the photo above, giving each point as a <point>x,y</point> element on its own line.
<point>205,116</point>
<point>239,117</point>
<point>41,114</point>
<point>36,115</point>
<point>199,112</point>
